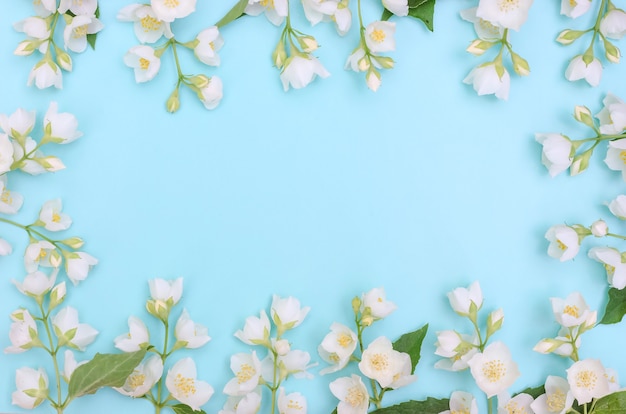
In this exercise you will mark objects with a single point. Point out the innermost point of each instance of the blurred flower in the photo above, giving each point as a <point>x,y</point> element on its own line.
<point>275,10</point>
<point>10,201</point>
<point>379,36</point>
<point>316,10</point>
<point>462,402</point>
<point>78,265</point>
<point>518,404</point>
<point>456,348</point>
<point>247,404</point>
<point>612,116</point>
<point>256,331</point>
<point>208,42</point>
<point>557,398</point>
<point>5,248</point>
<point>70,331</point>
<point>19,124</point>
<point>190,334</point>
<point>571,311</point>
<point>247,370</point>
<point>36,284</point>
<point>63,127</point>
<point>168,10</point>
<point>23,333</point>
<point>41,253</point>
<point>337,347</point>
<point>52,217</point>
<point>613,24</point>
<point>388,367</point>
<point>287,313</point>
<point>212,94</point>
<point>397,7</point>
<point>77,7</point>
<point>293,403</point>
<point>77,29</point>
<point>485,30</point>
<point>147,26</point>
<point>599,228</point>
<point>617,207</point>
<point>45,74</point>
<point>461,299</point>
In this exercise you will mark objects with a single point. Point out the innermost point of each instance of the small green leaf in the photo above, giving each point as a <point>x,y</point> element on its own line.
<point>334,411</point>
<point>428,406</point>
<point>236,12</point>
<point>185,409</point>
<point>91,39</point>
<point>104,370</point>
<point>386,15</point>
<point>411,343</point>
<point>533,392</point>
<point>611,404</point>
<point>616,307</point>
<point>425,12</point>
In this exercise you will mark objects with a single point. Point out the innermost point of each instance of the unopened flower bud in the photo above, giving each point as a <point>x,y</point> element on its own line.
<point>173,102</point>
<point>25,48</point>
<point>73,242</point>
<point>566,37</point>
<point>279,55</point>
<point>64,61</point>
<point>599,228</point>
<point>308,43</point>
<point>199,81</point>
<point>282,347</point>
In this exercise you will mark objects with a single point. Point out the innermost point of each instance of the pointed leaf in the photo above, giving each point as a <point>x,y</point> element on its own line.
<point>104,370</point>
<point>533,392</point>
<point>616,307</point>
<point>411,343</point>
<point>236,12</point>
<point>185,409</point>
<point>91,39</point>
<point>611,404</point>
<point>425,12</point>
<point>428,406</point>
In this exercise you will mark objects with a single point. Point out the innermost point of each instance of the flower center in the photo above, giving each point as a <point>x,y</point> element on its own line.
<point>494,370</point>
<point>185,386</point>
<point>136,380</point>
<point>42,253</point>
<point>144,63</point>
<point>560,244</point>
<point>586,379</point>
<point>246,372</point>
<point>513,408</point>
<point>556,401</point>
<point>488,26</point>
<point>463,411</point>
<point>56,218</point>
<point>572,311</point>
<point>149,23</point>
<point>378,36</point>
<point>334,357</point>
<point>80,31</point>
<point>355,396</point>
<point>379,362</point>
<point>610,270</point>
<point>171,3</point>
<point>573,3</point>
<point>294,405</point>
<point>344,340</point>
<point>622,155</point>
<point>268,4</point>
<point>507,6</point>
<point>5,197</point>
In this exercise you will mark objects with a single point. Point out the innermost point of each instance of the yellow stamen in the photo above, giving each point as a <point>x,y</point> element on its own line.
<point>556,401</point>
<point>172,3</point>
<point>144,63</point>
<point>586,379</point>
<point>572,311</point>
<point>185,386</point>
<point>355,396</point>
<point>379,362</point>
<point>80,31</point>
<point>344,340</point>
<point>622,155</point>
<point>378,36</point>
<point>136,380</point>
<point>508,5</point>
<point>494,370</point>
<point>150,24</point>
<point>246,372</point>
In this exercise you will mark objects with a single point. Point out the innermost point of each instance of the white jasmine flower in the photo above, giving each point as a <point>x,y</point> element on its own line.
<point>295,362</point>
<point>190,334</point>
<point>461,299</point>
<point>376,301</point>
<point>456,348</point>
<point>281,346</point>
<point>166,290</point>
<point>352,394</point>
<point>612,378</point>
<point>616,156</point>
<point>316,10</point>
<point>287,313</point>
<point>337,347</point>
<point>45,74</point>
<point>78,265</point>
<point>275,10</point>
<point>397,7</point>
<point>86,7</point>
<point>612,260</point>
<point>41,253</point>
<point>342,18</point>
<point>52,217</point>
<point>356,61</point>
<point>612,117</point>
<point>385,365</point>
<point>613,24</point>
<point>575,8</point>
<point>169,10</point>
<point>599,228</point>
<point>23,333</point>
<point>520,404</point>
<point>494,370</point>
<point>36,284</point>
<point>578,69</point>
<point>563,344</point>
<point>247,370</point>
<point>144,61</point>
<point>256,331</point>
<point>618,207</point>
<point>44,8</point>
<point>5,248</point>
<point>6,155</point>
<point>564,242</point>
<point>182,384</point>
<point>485,30</point>
<point>147,26</point>
<point>19,124</point>
<point>212,94</point>
<point>486,81</point>
<point>63,126</point>
<point>10,201</point>
<point>373,80</point>
<point>76,31</point>
<point>293,403</point>
<point>34,28</point>
<point>571,311</point>
<point>208,42</point>
<point>72,333</point>
<point>557,152</point>
<point>506,13</point>
<point>587,380</point>
<point>557,398</point>
<point>143,378</point>
<point>462,402</point>
<point>379,36</point>
<point>28,165</point>
<point>300,70</point>
<point>32,388</point>
<point>136,338</point>
<point>247,404</point>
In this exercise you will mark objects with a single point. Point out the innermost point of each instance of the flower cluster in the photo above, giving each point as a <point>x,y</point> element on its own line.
<point>81,28</point>
<point>152,22</point>
<point>384,366</point>
<point>610,23</point>
<point>147,379</point>
<point>491,366</point>
<point>492,21</point>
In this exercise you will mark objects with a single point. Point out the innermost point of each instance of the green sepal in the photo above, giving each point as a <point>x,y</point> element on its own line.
<point>185,409</point>
<point>520,65</point>
<point>473,311</point>
<point>428,406</point>
<point>588,57</point>
<point>581,230</point>
<point>614,403</point>
<point>612,53</point>
<point>583,115</point>
<point>411,343</point>
<point>615,308</point>
<point>104,370</point>
<point>568,36</point>
<point>581,162</point>
<point>233,14</point>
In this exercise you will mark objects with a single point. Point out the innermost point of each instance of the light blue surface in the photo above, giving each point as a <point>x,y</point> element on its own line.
<point>321,193</point>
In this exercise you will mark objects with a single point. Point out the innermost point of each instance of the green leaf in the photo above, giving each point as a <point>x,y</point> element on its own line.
<point>386,15</point>
<point>425,12</point>
<point>104,370</point>
<point>428,406</point>
<point>334,411</point>
<point>91,39</point>
<point>616,307</point>
<point>533,392</point>
<point>411,343</point>
<point>185,409</point>
<point>611,404</point>
<point>236,12</point>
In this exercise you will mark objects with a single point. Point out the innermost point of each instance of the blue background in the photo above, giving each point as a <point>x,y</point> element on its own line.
<point>321,193</point>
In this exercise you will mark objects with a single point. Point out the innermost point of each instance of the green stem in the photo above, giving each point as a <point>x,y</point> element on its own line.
<point>601,137</point>
<point>376,398</point>
<point>617,236</point>
<point>489,405</point>
<point>596,26</point>
<point>158,404</point>
<point>481,345</point>
<point>181,77</point>
<point>275,385</point>
<point>28,229</point>
<point>573,340</point>
<point>59,405</point>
